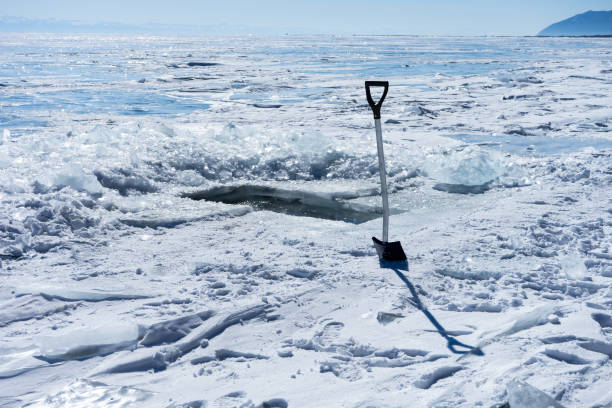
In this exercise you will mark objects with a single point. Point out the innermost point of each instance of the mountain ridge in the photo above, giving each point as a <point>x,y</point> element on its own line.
<point>589,23</point>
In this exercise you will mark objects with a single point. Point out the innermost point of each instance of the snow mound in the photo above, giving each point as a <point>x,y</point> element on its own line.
<point>88,342</point>
<point>89,296</point>
<point>28,307</point>
<point>45,222</point>
<point>86,393</point>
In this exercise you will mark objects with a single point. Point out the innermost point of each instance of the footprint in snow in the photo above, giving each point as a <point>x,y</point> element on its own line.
<point>440,373</point>
<point>192,404</point>
<point>231,400</point>
<point>329,334</point>
<point>274,403</point>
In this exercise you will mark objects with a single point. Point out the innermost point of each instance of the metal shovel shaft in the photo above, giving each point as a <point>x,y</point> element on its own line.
<point>383,180</point>
<point>388,251</point>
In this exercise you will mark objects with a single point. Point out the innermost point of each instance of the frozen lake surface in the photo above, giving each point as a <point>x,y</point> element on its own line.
<point>186,222</point>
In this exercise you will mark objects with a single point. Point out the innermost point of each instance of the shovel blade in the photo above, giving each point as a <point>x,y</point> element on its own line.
<point>389,251</point>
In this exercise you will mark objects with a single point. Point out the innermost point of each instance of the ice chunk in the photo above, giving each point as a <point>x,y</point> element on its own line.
<point>124,181</point>
<point>15,185</point>
<point>180,214</point>
<point>99,135</point>
<point>573,266</point>
<point>6,135</point>
<point>173,330</point>
<point>131,204</point>
<point>28,307</point>
<point>15,367</point>
<point>75,177</point>
<point>16,358</point>
<point>159,359</point>
<point>5,160</point>
<point>535,317</point>
<point>604,320</point>
<point>523,395</point>
<point>190,178</point>
<point>88,342</point>
<point>471,167</point>
<point>597,347</point>
<point>90,296</point>
<point>568,358</point>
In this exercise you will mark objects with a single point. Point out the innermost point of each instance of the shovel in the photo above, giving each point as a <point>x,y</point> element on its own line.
<point>389,251</point>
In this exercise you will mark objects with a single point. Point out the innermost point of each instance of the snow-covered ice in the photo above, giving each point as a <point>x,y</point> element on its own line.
<point>187,222</point>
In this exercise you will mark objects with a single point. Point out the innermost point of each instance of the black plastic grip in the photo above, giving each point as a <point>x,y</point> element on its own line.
<point>376,106</point>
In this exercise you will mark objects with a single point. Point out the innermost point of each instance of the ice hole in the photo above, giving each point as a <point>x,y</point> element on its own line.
<point>291,202</point>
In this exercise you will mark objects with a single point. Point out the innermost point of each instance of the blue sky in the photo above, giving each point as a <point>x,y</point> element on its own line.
<point>424,17</point>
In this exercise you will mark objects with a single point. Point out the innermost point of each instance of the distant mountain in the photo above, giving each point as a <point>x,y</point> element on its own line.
<point>26,25</point>
<point>589,23</point>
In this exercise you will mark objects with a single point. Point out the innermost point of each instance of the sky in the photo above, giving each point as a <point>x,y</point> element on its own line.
<point>424,17</point>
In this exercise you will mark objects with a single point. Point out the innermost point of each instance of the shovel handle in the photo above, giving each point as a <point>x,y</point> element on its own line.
<point>376,106</point>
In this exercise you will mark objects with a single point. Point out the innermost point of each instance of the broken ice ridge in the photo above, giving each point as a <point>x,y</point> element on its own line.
<point>533,144</point>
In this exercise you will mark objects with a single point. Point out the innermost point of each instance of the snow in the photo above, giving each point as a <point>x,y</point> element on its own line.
<point>203,237</point>
<point>86,393</point>
<point>87,342</point>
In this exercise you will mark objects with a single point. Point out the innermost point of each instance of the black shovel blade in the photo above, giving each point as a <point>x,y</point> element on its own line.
<point>389,251</point>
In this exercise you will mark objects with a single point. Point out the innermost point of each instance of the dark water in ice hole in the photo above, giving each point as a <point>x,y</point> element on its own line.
<point>291,202</point>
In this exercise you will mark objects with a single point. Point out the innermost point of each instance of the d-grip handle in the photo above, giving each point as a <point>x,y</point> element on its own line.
<point>376,106</point>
